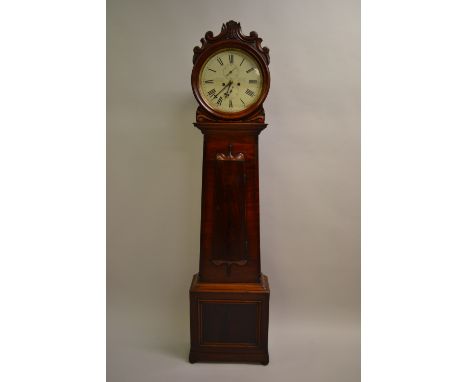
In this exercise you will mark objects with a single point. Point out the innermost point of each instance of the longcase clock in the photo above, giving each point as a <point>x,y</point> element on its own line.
<point>229,296</point>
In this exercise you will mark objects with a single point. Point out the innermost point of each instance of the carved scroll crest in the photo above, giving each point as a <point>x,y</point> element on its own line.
<point>232,31</point>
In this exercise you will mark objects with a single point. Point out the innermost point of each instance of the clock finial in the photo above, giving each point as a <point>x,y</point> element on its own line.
<point>232,29</point>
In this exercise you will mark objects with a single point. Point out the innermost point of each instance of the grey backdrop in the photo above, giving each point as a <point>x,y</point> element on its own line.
<point>309,187</point>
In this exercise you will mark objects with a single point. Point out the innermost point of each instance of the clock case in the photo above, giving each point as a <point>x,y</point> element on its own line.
<point>229,296</point>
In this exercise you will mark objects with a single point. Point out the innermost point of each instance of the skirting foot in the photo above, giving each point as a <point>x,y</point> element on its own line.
<point>192,359</point>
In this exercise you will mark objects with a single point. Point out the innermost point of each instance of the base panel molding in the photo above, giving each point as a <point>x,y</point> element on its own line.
<point>229,321</point>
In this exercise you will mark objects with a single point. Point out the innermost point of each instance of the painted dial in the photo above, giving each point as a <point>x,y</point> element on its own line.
<point>230,81</point>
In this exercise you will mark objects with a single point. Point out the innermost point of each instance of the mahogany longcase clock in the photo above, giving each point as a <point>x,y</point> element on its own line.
<point>229,296</point>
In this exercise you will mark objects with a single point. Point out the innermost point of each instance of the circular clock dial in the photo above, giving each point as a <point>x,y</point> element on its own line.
<point>230,81</point>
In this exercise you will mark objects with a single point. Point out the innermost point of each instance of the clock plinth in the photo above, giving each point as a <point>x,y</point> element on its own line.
<point>229,321</point>
<point>229,296</point>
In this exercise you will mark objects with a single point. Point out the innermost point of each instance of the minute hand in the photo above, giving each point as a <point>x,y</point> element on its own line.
<point>229,84</point>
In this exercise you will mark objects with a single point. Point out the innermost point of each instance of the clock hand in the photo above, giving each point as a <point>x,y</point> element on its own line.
<point>216,95</point>
<point>227,91</point>
<point>229,84</point>
<point>231,71</point>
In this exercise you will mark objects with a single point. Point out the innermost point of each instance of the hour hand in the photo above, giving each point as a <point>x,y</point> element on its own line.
<point>231,71</point>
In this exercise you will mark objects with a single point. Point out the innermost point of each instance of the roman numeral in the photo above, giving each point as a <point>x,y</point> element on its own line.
<point>251,81</point>
<point>242,62</point>
<point>231,59</point>
<point>220,61</point>
<point>212,92</point>
<point>248,71</point>
<point>230,103</point>
<point>243,103</point>
<point>249,92</point>
<point>208,81</point>
<point>220,101</point>
<point>212,70</point>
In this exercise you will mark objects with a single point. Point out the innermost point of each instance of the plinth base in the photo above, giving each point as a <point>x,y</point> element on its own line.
<point>229,321</point>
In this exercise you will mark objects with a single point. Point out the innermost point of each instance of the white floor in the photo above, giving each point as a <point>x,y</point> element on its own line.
<point>152,346</point>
